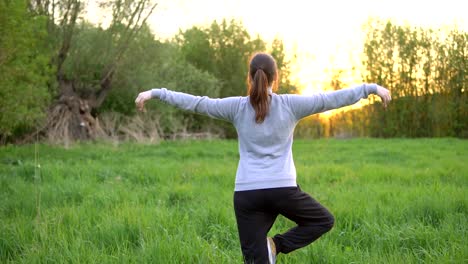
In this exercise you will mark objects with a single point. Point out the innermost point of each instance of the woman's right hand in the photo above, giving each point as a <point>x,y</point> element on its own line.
<point>140,100</point>
<point>384,94</point>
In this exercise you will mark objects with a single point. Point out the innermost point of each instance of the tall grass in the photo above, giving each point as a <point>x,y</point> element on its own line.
<point>395,201</point>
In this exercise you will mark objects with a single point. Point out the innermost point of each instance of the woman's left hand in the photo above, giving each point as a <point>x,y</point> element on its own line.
<point>141,99</point>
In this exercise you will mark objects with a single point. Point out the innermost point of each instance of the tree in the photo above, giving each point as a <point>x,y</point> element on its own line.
<point>284,83</point>
<point>160,64</point>
<point>426,73</point>
<point>196,48</point>
<point>85,71</point>
<point>24,69</point>
<point>222,49</point>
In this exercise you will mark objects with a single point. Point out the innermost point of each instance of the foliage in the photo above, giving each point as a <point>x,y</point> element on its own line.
<point>172,202</point>
<point>25,72</point>
<point>96,52</point>
<point>425,71</point>
<point>77,71</point>
<point>285,84</point>
<point>224,49</point>
<point>157,64</point>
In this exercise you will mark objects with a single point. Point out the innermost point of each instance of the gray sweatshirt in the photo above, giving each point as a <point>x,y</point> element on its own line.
<point>265,149</point>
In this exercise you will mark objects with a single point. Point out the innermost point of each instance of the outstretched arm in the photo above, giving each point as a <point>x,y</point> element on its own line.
<point>224,109</point>
<point>304,105</point>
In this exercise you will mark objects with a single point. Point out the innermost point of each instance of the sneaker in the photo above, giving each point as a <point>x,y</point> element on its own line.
<point>271,250</point>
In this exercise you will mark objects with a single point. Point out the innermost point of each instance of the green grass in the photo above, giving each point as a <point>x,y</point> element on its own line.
<point>395,201</point>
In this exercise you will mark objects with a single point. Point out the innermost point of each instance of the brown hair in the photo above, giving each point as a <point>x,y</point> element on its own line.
<point>262,73</point>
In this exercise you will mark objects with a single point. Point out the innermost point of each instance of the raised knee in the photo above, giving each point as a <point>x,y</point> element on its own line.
<point>330,223</point>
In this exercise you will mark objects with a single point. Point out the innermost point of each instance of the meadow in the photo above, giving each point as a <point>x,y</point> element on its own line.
<point>394,200</point>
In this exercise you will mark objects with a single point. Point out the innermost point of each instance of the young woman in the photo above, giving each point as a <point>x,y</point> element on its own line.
<point>266,176</point>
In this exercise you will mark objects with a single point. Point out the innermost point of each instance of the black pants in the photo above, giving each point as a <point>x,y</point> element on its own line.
<point>256,210</point>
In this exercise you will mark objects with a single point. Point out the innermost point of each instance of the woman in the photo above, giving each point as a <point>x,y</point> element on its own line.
<point>266,176</point>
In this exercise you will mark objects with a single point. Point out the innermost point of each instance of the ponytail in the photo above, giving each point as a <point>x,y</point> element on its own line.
<point>259,95</point>
<point>262,74</point>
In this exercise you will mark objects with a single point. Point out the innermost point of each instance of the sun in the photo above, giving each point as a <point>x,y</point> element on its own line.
<point>308,90</point>
<point>311,88</point>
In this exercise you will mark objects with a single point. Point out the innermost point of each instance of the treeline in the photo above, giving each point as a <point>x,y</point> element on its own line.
<point>425,71</point>
<point>64,79</point>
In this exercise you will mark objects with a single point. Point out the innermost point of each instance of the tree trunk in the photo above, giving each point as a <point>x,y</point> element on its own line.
<point>70,117</point>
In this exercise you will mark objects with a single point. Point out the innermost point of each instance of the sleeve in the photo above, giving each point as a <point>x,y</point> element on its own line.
<point>225,108</point>
<point>305,105</point>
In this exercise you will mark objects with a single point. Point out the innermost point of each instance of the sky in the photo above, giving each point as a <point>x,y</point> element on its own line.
<point>324,34</point>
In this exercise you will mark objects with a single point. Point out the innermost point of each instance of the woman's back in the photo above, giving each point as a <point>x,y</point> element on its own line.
<point>265,148</point>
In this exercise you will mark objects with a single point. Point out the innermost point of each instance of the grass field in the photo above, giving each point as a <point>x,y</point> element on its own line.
<point>395,201</point>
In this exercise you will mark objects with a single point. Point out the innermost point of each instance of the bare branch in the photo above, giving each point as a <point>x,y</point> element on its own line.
<point>74,8</point>
<point>108,73</point>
